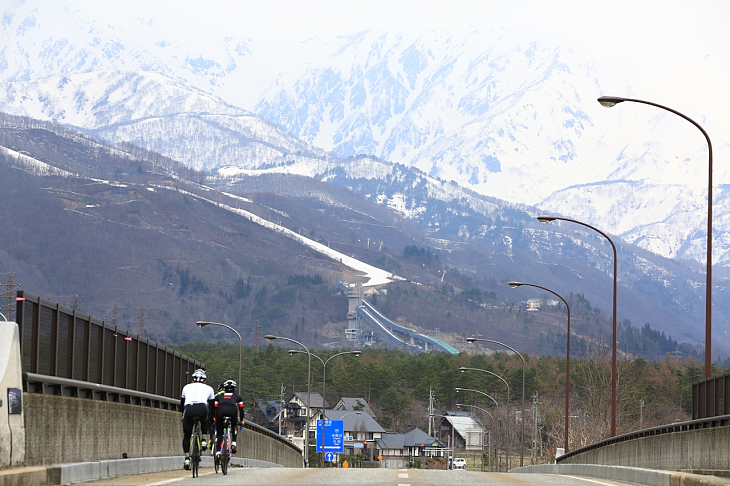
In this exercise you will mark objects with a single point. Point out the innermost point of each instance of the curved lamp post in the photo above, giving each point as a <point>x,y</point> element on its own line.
<point>324,382</point>
<point>202,324</point>
<point>496,410</point>
<point>547,219</point>
<point>489,449</point>
<point>463,369</point>
<point>496,405</point>
<point>522,431</point>
<point>453,440</point>
<point>608,102</point>
<point>489,445</point>
<point>514,285</point>
<point>270,337</point>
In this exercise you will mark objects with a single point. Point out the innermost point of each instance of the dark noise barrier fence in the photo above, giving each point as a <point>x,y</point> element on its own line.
<point>711,396</point>
<point>65,352</point>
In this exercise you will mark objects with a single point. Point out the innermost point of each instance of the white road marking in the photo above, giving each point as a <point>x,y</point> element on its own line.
<point>613,483</point>
<point>168,481</point>
<point>402,475</point>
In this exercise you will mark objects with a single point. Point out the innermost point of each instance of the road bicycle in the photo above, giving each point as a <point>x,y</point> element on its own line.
<point>225,456</point>
<point>196,447</point>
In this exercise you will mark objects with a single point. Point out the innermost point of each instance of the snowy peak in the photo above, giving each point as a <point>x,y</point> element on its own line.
<point>464,105</point>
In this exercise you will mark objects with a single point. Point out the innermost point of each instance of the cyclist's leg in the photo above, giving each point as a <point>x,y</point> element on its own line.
<point>187,433</point>
<point>188,421</point>
<point>219,431</point>
<point>200,411</point>
<point>234,433</point>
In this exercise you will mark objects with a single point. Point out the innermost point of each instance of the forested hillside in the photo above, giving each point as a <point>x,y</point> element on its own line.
<point>397,385</point>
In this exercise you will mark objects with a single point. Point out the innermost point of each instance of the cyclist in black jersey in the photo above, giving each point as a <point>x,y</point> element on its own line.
<point>228,404</point>
<point>212,428</point>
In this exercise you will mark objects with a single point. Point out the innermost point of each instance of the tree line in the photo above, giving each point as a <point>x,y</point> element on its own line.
<point>397,385</point>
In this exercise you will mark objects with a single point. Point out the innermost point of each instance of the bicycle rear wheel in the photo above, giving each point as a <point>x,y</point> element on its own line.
<point>216,460</point>
<point>195,455</point>
<point>225,455</point>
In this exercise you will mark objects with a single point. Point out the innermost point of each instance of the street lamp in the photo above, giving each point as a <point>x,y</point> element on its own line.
<point>270,337</point>
<point>324,382</point>
<point>489,445</point>
<point>547,219</point>
<point>463,369</point>
<point>514,285</point>
<point>496,405</point>
<point>450,462</point>
<point>202,324</point>
<point>496,412</point>
<point>522,432</point>
<point>608,102</point>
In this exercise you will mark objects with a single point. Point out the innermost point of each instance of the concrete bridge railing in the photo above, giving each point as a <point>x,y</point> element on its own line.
<point>50,429</point>
<point>698,446</point>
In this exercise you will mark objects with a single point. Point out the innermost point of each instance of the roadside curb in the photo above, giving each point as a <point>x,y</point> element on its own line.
<point>648,477</point>
<point>87,471</point>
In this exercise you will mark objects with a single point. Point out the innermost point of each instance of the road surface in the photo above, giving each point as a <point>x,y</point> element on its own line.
<point>332,476</point>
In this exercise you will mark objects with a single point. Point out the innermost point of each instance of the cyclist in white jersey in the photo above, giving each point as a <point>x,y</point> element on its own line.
<point>195,400</point>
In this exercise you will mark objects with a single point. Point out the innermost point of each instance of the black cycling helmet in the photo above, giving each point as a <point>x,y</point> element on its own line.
<point>229,386</point>
<point>220,387</point>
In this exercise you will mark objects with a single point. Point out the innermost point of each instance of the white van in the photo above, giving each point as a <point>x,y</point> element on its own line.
<point>459,463</point>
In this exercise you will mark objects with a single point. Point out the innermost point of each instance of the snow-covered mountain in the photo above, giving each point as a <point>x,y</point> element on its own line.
<point>499,112</point>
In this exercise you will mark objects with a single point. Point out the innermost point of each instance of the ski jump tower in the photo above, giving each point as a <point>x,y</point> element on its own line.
<point>354,300</point>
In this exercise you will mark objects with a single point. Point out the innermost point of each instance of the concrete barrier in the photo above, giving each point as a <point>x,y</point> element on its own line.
<point>100,437</point>
<point>90,471</point>
<point>67,430</point>
<point>698,450</point>
<point>12,432</point>
<point>648,477</point>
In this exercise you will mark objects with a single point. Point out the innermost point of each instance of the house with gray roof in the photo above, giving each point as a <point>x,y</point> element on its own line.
<point>396,449</point>
<point>296,411</point>
<point>266,414</point>
<point>467,432</point>
<point>361,430</point>
<point>354,405</point>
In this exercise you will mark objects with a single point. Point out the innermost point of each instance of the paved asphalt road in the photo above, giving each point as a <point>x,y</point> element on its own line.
<point>312,477</point>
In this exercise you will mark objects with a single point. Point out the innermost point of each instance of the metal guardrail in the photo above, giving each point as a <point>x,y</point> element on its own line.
<point>718,421</point>
<point>84,389</point>
<point>58,343</point>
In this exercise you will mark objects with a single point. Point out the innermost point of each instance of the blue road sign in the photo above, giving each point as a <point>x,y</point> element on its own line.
<point>335,435</point>
<point>329,457</point>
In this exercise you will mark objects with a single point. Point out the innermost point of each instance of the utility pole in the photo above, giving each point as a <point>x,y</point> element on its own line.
<point>641,413</point>
<point>431,399</point>
<point>76,305</point>
<point>535,427</point>
<point>142,330</point>
<point>281,406</point>
<point>256,339</point>
<point>9,296</point>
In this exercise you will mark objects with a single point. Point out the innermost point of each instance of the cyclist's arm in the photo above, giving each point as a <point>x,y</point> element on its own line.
<point>212,404</point>
<point>239,405</point>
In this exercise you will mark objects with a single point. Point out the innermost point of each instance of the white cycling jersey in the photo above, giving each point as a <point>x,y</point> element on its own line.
<point>197,392</point>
